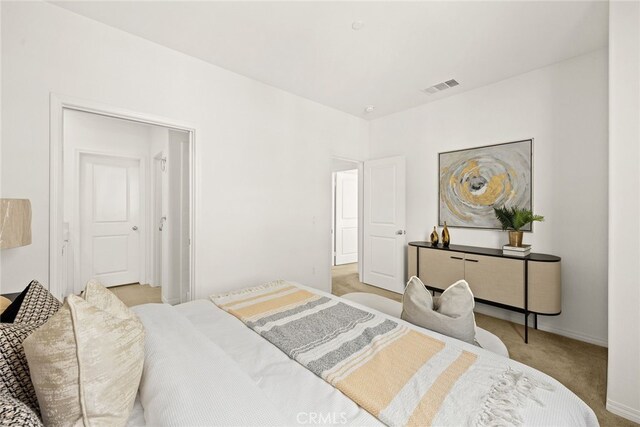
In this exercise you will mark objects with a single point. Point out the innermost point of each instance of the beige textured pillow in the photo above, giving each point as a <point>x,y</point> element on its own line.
<point>451,314</point>
<point>86,361</point>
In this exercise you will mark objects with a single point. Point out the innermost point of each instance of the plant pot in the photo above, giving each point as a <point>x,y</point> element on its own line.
<point>515,238</point>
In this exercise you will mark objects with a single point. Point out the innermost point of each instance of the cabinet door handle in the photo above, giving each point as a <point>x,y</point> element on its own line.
<point>471,260</point>
<point>456,257</point>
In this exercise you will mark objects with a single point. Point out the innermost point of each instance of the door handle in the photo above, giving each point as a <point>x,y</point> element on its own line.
<point>400,232</point>
<point>162,220</point>
<point>134,228</point>
<point>471,260</point>
<point>455,257</point>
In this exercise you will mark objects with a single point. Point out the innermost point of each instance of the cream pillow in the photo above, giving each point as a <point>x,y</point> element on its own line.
<point>450,314</point>
<point>86,361</point>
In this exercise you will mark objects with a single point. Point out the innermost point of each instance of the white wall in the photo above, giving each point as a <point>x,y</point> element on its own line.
<point>564,107</point>
<point>263,155</point>
<point>623,378</point>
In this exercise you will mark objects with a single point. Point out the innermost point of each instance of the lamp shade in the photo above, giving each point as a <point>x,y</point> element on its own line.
<point>15,223</point>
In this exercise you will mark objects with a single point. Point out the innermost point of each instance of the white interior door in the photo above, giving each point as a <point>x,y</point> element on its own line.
<point>110,203</point>
<point>346,217</point>
<point>384,223</point>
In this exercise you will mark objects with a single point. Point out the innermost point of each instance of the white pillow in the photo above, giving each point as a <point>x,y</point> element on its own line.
<point>450,314</point>
<point>86,361</point>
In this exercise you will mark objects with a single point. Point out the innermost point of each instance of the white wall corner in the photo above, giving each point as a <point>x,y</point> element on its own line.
<point>623,366</point>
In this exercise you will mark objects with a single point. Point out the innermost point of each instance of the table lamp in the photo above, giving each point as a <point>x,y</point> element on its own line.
<point>15,223</point>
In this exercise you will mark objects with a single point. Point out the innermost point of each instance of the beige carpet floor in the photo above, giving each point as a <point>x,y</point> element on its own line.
<point>136,294</point>
<point>581,367</point>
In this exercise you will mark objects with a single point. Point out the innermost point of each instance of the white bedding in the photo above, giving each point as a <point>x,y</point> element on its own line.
<point>188,380</point>
<point>300,397</point>
<point>136,419</point>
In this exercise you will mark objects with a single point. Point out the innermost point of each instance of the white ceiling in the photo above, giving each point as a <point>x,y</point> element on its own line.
<point>310,48</point>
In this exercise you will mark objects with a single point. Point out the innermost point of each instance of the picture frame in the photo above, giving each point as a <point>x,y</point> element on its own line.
<point>472,181</point>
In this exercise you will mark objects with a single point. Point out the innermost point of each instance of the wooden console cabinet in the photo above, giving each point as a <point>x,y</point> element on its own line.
<point>529,285</point>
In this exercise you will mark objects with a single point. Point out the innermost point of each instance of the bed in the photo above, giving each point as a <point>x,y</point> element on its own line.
<point>204,366</point>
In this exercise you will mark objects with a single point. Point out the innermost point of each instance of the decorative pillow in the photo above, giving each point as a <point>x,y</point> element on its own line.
<point>15,413</point>
<point>14,371</point>
<point>451,314</point>
<point>35,305</point>
<point>30,310</point>
<point>96,294</point>
<point>86,361</point>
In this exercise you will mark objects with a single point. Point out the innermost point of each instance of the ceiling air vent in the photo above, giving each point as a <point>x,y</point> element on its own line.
<point>441,86</point>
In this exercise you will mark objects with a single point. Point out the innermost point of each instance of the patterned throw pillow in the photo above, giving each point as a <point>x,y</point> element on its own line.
<point>30,310</point>
<point>14,370</point>
<point>15,413</point>
<point>34,305</point>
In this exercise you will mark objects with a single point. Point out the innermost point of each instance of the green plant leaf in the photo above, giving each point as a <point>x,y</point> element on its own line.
<point>515,218</point>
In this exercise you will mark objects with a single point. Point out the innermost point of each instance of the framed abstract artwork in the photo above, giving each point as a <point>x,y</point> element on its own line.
<point>474,180</point>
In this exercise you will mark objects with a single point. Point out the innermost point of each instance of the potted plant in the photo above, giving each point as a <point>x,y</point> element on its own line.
<point>513,219</point>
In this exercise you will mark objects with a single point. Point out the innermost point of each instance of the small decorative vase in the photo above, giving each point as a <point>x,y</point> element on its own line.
<point>515,238</point>
<point>434,237</point>
<point>446,237</point>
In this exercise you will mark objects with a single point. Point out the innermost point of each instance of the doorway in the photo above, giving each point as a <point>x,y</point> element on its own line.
<point>345,217</point>
<point>126,190</point>
<point>346,235</point>
<point>380,266</point>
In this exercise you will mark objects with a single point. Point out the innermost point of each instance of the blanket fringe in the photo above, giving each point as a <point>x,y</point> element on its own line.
<point>510,391</point>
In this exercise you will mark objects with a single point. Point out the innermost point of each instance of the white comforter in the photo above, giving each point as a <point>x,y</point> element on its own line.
<point>270,387</point>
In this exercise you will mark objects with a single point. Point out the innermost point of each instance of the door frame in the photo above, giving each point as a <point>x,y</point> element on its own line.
<point>57,104</point>
<point>156,183</point>
<point>76,217</point>
<point>359,165</point>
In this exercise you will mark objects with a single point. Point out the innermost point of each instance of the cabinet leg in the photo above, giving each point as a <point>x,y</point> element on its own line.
<point>535,321</point>
<point>526,328</point>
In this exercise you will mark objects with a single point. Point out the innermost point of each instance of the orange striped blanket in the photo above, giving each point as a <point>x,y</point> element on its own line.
<point>399,375</point>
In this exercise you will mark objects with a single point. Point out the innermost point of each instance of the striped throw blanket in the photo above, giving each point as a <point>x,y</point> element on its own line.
<point>399,375</point>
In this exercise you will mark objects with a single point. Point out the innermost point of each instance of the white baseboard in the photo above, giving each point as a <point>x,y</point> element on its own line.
<point>172,301</point>
<point>519,318</point>
<point>575,335</point>
<point>624,411</point>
